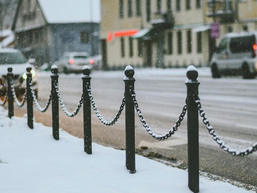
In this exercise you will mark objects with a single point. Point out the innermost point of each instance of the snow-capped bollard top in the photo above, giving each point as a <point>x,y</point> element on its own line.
<point>129,71</point>
<point>54,69</point>
<point>9,69</point>
<point>28,69</point>
<point>86,70</point>
<point>192,73</point>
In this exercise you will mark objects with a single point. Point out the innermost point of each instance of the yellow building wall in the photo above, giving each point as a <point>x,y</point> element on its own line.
<point>247,10</point>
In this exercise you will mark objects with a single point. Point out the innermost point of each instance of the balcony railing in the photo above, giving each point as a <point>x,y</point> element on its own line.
<point>221,10</point>
<point>163,20</point>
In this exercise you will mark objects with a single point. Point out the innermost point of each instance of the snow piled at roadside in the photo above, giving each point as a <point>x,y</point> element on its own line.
<point>32,161</point>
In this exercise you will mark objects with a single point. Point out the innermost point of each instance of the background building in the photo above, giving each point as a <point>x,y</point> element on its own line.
<point>170,33</point>
<point>45,31</point>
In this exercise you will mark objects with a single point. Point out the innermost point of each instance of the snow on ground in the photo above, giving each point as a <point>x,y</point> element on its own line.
<point>31,161</point>
<point>142,72</point>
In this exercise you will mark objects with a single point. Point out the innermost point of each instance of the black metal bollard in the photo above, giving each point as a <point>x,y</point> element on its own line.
<point>55,103</point>
<point>9,92</point>
<point>192,129</point>
<point>29,99</point>
<point>130,120</point>
<point>87,111</point>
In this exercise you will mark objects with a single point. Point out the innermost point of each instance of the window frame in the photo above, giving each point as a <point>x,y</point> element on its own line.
<point>122,46</point>
<point>169,6</point>
<point>129,8</point>
<point>199,42</point>
<point>178,5</point>
<point>84,37</point>
<point>188,5</point>
<point>131,48</point>
<point>138,8</point>
<point>140,47</point>
<point>179,42</point>
<point>198,4</point>
<point>121,9</point>
<point>189,41</point>
<point>170,43</point>
<point>159,6</point>
<point>148,10</point>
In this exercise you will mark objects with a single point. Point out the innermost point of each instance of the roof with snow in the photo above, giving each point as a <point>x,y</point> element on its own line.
<point>71,11</point>
<point>8,36</point>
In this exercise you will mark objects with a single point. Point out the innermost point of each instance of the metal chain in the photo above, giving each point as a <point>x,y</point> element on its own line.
<point>39,108</point>
<point>216,138</point>
<point>19,104</point>
<point>2,103</point>
<point>147,127</point>
<point>107,123</point>
<point>75,112</point>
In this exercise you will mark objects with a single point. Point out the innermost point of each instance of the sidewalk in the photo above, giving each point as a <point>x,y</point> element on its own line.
<point>31,161</point>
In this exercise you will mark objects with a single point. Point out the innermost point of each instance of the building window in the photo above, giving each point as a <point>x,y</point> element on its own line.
<point>170,42</point>
<point>121,6</point>
<point>138,7</point>
<point>178,5</point>
<point>131,51</point>
<point>122,47</point>
<point>198,4</point>
<point>229,29</point>
<point>29,5</point>
<point>179,39</point>
<point>148,10</point>
<point>29,37</point>
<point>169,5</point>
<point>37,37</point>
<point>159,6</point>
<point>245,28</point>
<point>140,48</point>
<point>129,8</point>
<point>189,41</point>
<point>188,4</point>
<point>199,42</point>
<point>84,37</point>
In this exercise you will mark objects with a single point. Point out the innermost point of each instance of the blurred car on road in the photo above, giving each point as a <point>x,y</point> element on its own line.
<point>15,59</point>
<point>73,62</point>
<point>236,54</point>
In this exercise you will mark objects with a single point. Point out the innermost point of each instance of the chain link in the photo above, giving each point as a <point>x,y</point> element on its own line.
<point>107,123</point>
<point>19,104</point>
<point>216,138</point>
<point>2,103</point>
<point>39,108</point>
<point>76,111</point>
<point>147,127</point>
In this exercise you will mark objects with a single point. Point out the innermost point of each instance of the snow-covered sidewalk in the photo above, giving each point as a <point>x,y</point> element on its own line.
<point>31,161</point>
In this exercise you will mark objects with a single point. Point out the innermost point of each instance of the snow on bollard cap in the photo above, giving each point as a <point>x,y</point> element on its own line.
<point>129,71</point>
<point>86,70</point>
<point>54,69</point>
<point>192,73</point>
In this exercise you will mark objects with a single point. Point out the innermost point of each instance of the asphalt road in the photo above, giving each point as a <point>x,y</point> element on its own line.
<point>230,105</point>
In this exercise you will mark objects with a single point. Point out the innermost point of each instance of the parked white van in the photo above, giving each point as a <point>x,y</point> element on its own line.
<point>236,54</point>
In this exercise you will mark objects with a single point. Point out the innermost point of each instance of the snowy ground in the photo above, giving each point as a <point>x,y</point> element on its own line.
<point>31,161</point>
<point>151,72</point>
